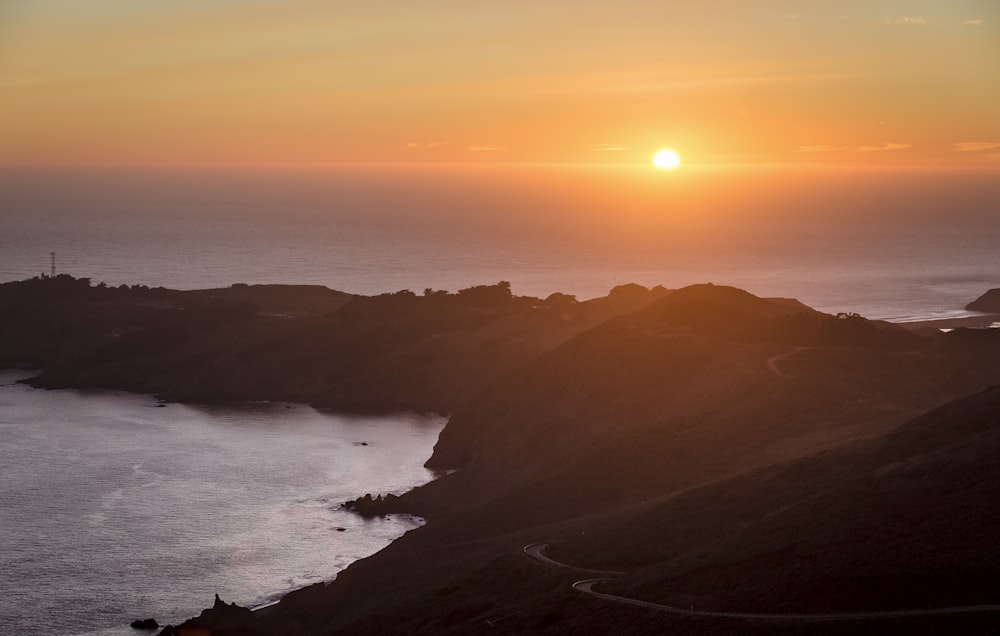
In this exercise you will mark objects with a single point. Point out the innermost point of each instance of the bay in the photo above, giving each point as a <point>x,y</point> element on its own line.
<point>113,508</point>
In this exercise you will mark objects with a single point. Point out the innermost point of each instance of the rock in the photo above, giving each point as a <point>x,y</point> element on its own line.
<point>369,506</point>
<point>221,618</point>
<point>145,623</point>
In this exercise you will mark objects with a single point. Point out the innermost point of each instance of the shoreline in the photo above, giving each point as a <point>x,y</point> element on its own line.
<point>979,321</point>
<point>10,380</point>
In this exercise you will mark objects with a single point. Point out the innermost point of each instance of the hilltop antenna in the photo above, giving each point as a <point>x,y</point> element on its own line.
<point>53,255</point>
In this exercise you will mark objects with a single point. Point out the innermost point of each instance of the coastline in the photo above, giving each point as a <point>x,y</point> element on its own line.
<point>979,321</point>
<point>144,475</point>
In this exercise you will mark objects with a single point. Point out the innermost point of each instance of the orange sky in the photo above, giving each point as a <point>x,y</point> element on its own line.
<point>908,82</point>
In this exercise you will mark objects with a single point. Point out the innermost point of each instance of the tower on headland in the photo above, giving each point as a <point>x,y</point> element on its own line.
<point>53,256</point>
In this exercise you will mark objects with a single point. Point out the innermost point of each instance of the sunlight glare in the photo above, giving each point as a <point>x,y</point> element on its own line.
<point>666,159</point>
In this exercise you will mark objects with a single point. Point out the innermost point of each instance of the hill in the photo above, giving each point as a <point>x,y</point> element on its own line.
<point>988,302</point>
<point>295,343</point>
<point>601,444</point>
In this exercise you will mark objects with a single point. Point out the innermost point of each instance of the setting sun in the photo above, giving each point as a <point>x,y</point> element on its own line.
<point>666,159</point>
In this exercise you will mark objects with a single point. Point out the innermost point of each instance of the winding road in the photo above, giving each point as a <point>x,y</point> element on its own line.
<point>586,586</point>
<point>772,362</point>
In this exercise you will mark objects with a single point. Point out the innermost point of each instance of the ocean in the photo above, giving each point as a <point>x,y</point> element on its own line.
<point>886,244</point>
<point>113,509</point>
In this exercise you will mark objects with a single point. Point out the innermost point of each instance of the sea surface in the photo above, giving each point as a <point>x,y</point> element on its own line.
<point>113,508</point>
<point>893,244</point>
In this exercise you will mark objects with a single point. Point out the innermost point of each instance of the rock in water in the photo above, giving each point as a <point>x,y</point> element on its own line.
<point>145,623</point>
<point>221,618</point>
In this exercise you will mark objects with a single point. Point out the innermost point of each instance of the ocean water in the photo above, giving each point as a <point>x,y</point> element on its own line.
<point>886,244</point>
<point>112,509</point>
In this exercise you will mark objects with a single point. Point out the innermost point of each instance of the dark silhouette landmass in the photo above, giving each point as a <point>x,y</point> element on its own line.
<point>297,343</point>
<point>726,452</point>
<point>988,302</point>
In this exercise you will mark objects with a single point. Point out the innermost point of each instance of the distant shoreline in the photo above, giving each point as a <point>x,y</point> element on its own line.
<point>980,321</point>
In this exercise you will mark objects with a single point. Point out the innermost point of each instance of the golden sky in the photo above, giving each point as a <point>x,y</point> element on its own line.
<point>387,81</point>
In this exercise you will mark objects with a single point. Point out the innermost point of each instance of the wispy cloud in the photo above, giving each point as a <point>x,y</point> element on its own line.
<point>608,148</point>
<point>886,146</point>
<point>423,145</point>
<point>823,148</point>
<point>976,146</point>
<point>486,148</point>
<point>802,17</point>
<point>907,20</point>
<point>976,22</point>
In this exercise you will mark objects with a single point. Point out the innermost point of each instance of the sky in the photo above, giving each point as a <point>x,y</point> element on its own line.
<point>851,82</point>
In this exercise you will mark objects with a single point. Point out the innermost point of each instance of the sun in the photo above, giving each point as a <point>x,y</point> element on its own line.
<point>666,159</point>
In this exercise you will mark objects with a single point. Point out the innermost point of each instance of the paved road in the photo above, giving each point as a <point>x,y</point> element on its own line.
<point>536,551</point>
<point>772,362</point>
<point>587,588</point>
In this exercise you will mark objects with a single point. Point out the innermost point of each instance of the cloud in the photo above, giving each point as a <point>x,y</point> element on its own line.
<point>822,148</point>
<point>976,22</point>
<point>800,17</point>
<point>608,148</point>
<point>486,148</point>
<point>422,145</point>
<point>886,146</point>
<point>907,20</point>
<point>976,146</point>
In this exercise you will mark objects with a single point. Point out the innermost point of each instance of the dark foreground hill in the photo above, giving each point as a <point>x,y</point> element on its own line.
<point>694,442</point>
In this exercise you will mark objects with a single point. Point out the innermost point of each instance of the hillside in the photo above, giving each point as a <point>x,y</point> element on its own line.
<point>591,443</point>
<point>296,343</point>
<point>906,520</point>
<point>988,302</point>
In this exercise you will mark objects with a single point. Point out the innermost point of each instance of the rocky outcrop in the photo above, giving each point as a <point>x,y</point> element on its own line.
<point>377,506</point>
<point>145,623</point>
<point>222,619</point>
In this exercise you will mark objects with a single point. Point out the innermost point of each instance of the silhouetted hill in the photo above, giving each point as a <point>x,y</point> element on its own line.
<point>296,343</point>
<point>906,520</point>
<point>988,302</point>
<point>587,440</point>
